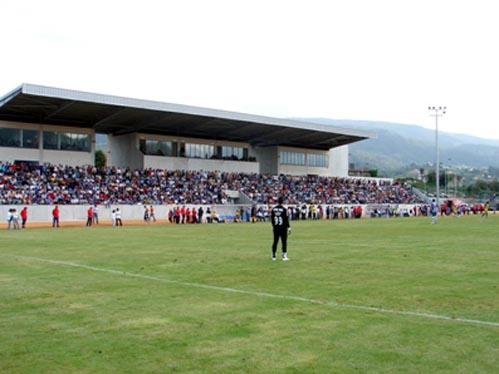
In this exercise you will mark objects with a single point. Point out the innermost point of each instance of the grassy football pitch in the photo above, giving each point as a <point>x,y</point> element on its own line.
<point>357,296</point>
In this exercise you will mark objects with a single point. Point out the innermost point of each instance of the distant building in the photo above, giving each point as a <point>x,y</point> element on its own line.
<point>360,172</point>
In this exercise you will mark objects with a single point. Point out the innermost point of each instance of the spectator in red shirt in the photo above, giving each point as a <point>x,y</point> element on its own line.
<point>151,214</point>
<point>24,216</point>
<point>55,216</point>
<point>177,215</point>
<point>182,214</point>
<point>90,216</point>
<point>192,218</point>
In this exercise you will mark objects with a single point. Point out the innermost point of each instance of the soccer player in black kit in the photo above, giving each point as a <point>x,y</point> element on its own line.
<point>281,228</point>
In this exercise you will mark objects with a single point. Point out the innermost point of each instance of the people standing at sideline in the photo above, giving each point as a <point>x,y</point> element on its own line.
<point>177,215</point>
<point>90,216</point>
<point>24,216</point>
<point>151,213</point>
<point>95,218</point>
<point>200,214</point>
<point>55,216</point>
<point>192,217</point>
<point>113,217</point>
<point>118,217</point>
<point>485,212</point>
<point>281,228</point>
<point>9,218</point>
<point>434,211</point>
<point>15,219</point>
<point>182,214</point>
<point>12,219</point>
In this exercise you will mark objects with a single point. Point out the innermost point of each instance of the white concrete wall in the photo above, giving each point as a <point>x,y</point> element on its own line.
<point>302,170</point>
<point>165,162</point>
<point>11,154</point>
<point>68,158</point>
<point>123,151</point>
<point>71,158</point>
<point>78,213</point>
<point>338,161</point>
<point>268,158</point>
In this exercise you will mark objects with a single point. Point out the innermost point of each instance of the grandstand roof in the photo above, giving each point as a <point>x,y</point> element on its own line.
<point>119,115</point>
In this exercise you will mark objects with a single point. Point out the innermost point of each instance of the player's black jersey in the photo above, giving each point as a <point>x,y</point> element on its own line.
<point>279,218</point>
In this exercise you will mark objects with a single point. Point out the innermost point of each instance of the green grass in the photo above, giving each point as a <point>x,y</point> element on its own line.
<point>141,305</point>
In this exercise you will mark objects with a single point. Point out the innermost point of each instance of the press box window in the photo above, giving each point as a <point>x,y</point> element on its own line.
<point>199,150</point>
<point>317,160</point>
<point>19,138</point>
<point>10,137</point>
<point>66,141</point>
<point>292,158</point>
<point>158,147</point>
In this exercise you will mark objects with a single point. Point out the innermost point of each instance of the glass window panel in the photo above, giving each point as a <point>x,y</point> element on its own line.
<point>50,140</point>
<point>66,141</point>
<point>10,137</point>
<point>233,152</point>
<point>301,158</point>
<point>210,151</point>
<point>74,142</point>
<point>188,150</point>
<point>143,146</point>
<point>166,148</point>
<point>292,158</point>
<point>30,138</point>
<point>157,147</point>
<point>152,147</point>
<point>82,142</point>
<point>317,160</point>
<point>199,150</point>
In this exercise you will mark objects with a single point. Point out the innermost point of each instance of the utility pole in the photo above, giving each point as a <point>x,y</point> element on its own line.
<point>437,112</point>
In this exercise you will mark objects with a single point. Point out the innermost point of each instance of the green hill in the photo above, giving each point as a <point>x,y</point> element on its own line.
<point>398,146</point>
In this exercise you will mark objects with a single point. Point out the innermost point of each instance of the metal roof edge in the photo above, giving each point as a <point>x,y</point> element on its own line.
<point>62,93</point>
<point>338,129</point>
<point>9,95</point>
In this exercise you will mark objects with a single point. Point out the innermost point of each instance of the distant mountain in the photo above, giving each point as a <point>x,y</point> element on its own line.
<point>398,146</point>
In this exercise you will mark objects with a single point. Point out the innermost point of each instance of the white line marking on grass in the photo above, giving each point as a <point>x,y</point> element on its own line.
<point>257,293</point>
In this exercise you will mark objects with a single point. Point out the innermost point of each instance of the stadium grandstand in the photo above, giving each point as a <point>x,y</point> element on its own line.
<point>170,155</point>
<point>66,185</point>
<point>46,125</point>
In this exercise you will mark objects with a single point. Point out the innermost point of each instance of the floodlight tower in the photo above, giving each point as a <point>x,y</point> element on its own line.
<point>437,112</point>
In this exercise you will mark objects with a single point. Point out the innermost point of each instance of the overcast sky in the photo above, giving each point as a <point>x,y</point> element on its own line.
<point>380,60</point>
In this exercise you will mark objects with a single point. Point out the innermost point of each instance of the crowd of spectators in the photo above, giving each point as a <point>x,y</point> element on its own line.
<point>57,184</point>
<point>324,190</point>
